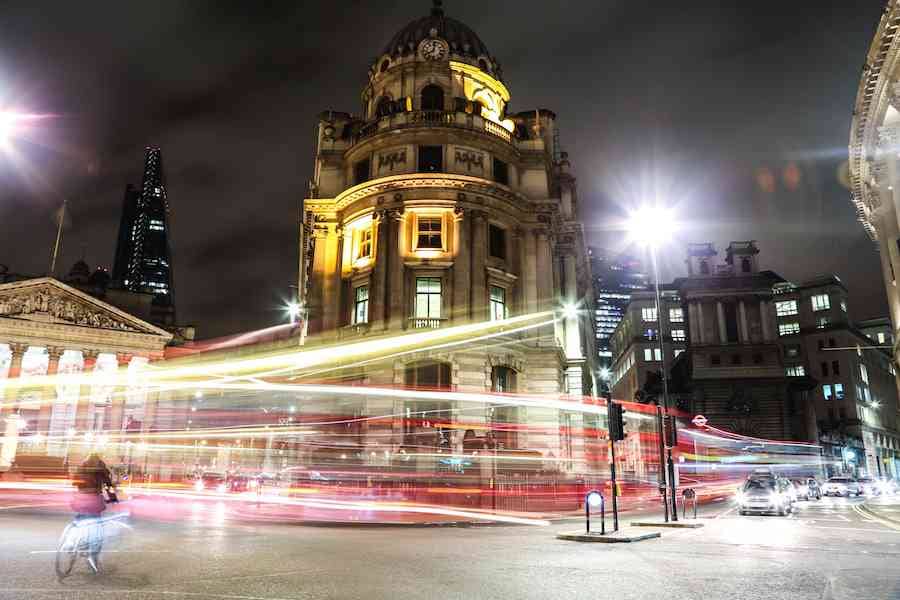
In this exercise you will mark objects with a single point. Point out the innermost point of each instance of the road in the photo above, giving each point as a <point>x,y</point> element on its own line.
<point>827,550</point>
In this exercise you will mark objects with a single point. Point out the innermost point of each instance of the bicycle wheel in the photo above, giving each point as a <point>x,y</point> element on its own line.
<point>67,551</point>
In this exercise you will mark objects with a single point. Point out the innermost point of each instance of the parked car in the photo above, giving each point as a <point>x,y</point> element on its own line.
<point>766,494</point>
<point>869,486</point>
<point>842,486</point>
<point>808,489</point>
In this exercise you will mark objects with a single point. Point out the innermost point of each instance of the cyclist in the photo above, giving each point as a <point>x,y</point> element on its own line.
<point>91,478</point>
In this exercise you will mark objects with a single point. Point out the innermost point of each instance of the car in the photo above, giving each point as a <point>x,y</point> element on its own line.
<point>842,485</point>
<point>211,482</point>
<point>869,486</point>
<point>766,494</point>
<point>808,488</point>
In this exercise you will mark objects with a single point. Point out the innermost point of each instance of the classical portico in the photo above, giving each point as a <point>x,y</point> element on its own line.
<point>58,346</point>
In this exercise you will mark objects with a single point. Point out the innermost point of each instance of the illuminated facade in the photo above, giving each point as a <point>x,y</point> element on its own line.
<point>875,162</point>
<point>143,261</point>
<point>438,207</point>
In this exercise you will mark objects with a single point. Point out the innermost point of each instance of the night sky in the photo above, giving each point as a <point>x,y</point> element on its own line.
<point>736,112</point>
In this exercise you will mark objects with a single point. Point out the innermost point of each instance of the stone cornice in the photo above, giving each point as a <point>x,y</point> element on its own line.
<point>395,183</point>
<point>77,337</point>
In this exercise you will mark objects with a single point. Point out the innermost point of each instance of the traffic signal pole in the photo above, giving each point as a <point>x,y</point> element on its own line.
<point>615,490</point>
<point>670,465</point>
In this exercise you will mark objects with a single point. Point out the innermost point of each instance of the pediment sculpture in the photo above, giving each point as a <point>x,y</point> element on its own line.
<point>60,307</point>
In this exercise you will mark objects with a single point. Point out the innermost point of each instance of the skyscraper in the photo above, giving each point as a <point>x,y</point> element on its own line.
<point>615,280</point>
<point>143,255</point>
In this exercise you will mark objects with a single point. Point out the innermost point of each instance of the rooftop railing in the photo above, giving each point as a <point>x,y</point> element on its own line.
<point>433,118</point>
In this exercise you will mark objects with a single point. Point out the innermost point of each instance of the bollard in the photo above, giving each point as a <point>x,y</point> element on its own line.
<point>688,494</point>
<point>593,498</point>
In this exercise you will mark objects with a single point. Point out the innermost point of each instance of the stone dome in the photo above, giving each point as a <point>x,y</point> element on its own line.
<point>462,40</point>
<point>80,271</point>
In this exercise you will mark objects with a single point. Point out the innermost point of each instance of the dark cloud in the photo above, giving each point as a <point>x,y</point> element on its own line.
<point>688,101</point>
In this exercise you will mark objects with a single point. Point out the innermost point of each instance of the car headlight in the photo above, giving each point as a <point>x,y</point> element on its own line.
<point>741,498</point>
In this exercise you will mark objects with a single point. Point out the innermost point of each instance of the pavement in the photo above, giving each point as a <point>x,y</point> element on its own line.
<point>829,549</point>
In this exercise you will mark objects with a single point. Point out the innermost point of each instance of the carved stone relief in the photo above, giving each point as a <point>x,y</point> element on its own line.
<point>389,159</point>
<point>470,158</point>
<point>59,306</point>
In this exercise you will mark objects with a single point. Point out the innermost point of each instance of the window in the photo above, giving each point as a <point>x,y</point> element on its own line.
<point>432,98</point>
<point>648,314</point>
<point>497,241</point>
<point>757,359</point>
<point>361,305</point>
<point>863,373</point>
<point>839,391</point>
<point>431,159</point>
<point>736,359</point>
<point>704,267</point>
<point>650,334</point>
<point>648,354</point>
<point>822,322</point>
<point>503,379</point>
<point>836,367</point>
<point>824,369</point>
<point>788,328</point>
<point>498,303</point>
<point>820,302</point>
<point>795,371</point>
<point>676,315</point>
<point>678,335</point>
<point>792,351</point>
<point>745,265</point>
<point>786,308</point>
<point>428,234</point>
<point>880,337</point>
<point>361,171</point>
<point>383,108</point>
<point>831,343</point>
<point>501,171</point>
<point>715,360</point>
<point>428,297</point>
<point>826,391</point>
<point>657,354</point>
<point>678,351</point>
<point>365,243</point>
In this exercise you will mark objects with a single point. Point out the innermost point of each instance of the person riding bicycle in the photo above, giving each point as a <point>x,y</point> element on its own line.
<point>91,479</point>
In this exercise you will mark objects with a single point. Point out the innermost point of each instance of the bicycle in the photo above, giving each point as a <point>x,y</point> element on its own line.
<point>83,537</point>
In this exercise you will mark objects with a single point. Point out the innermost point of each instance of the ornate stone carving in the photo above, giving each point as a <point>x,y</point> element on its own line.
<point>470,158</point>
<point>392,158</point>
<point>61,307</point>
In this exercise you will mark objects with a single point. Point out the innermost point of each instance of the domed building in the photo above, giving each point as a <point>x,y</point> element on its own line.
<point>436,206</point>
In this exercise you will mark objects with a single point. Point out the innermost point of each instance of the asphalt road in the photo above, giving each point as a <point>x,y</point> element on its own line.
<point>827,550</point>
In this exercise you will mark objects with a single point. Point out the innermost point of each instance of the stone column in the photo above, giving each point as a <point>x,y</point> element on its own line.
<point>744,330</point>
<point>396,273</point>
<point>85,394</point>
<point>48,394</point>
<point>117,403</point>
<point>331,309</point>
<point>462,268</point>
<point>720,314</point>
<point>529,272</point>
<point>544,271</point>
<point>10,393</point>
<point>701,325</point>
<point>764,320</point>
<point>378,295</point>
<point>479,261</point>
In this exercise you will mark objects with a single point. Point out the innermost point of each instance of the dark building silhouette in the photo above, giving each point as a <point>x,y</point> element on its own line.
<point>143,255</point>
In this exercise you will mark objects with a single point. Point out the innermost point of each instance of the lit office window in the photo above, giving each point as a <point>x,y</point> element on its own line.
<point>365,243</point>
<point>820,302</point>
<point>498,303</point>
<point>864,373</point>
<point>676,315</point>
<point>839,391</point>
<point>361,305</point>
<point>428,298</point>
<point>678,335</point>
<point>788,328</point>
<point>826,391</point>
<point>786,308</point>
<point>648,314</point>
<point>795,371</point>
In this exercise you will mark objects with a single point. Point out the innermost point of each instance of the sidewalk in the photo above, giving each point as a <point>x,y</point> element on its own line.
<point>885,509</point>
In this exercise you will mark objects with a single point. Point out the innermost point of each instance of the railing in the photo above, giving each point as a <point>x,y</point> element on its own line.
<point>433,118</point>
<point>429,323</point>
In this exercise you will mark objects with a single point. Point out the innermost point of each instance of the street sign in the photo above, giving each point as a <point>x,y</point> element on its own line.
<point>699,421</point>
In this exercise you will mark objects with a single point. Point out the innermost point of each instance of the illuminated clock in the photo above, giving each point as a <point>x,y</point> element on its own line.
<point>434,49</point>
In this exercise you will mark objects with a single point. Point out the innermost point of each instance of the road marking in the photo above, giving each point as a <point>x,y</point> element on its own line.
<point>108,551</point>
<point>93,591</point>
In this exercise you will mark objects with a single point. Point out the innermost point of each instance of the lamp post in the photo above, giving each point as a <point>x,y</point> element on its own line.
<point>650,227</point>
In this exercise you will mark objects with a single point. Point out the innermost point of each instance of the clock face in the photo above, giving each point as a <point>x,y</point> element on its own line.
<point>433,49</point>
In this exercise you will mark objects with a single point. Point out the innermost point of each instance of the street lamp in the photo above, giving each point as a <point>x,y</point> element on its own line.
<point>652,226</point>
<point>293,310</point>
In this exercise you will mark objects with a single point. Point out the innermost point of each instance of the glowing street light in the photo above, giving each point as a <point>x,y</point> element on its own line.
<point>293,310</point>
<point>651,226</point>
<point>570,311</point>
<point>12,123</point>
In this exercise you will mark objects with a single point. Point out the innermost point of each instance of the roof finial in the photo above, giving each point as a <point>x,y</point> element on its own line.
<point>437,10</point>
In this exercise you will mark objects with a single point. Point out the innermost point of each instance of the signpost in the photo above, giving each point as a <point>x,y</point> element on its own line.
<point>699,421</point>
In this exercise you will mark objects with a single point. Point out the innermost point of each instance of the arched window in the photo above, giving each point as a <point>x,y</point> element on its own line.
<point>383,107</point>
<point>384,65</point>
<point>704,267</point>
<point>432,98</point>
<point>503,379</point>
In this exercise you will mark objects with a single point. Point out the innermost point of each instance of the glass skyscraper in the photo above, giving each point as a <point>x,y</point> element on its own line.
<point>143,254</point>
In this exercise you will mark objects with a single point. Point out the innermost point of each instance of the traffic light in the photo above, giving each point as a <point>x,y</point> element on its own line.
<point>615,416</point>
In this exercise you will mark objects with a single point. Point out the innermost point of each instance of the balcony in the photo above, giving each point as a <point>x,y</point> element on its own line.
<point>433,118</point>
<point>428,323</point>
